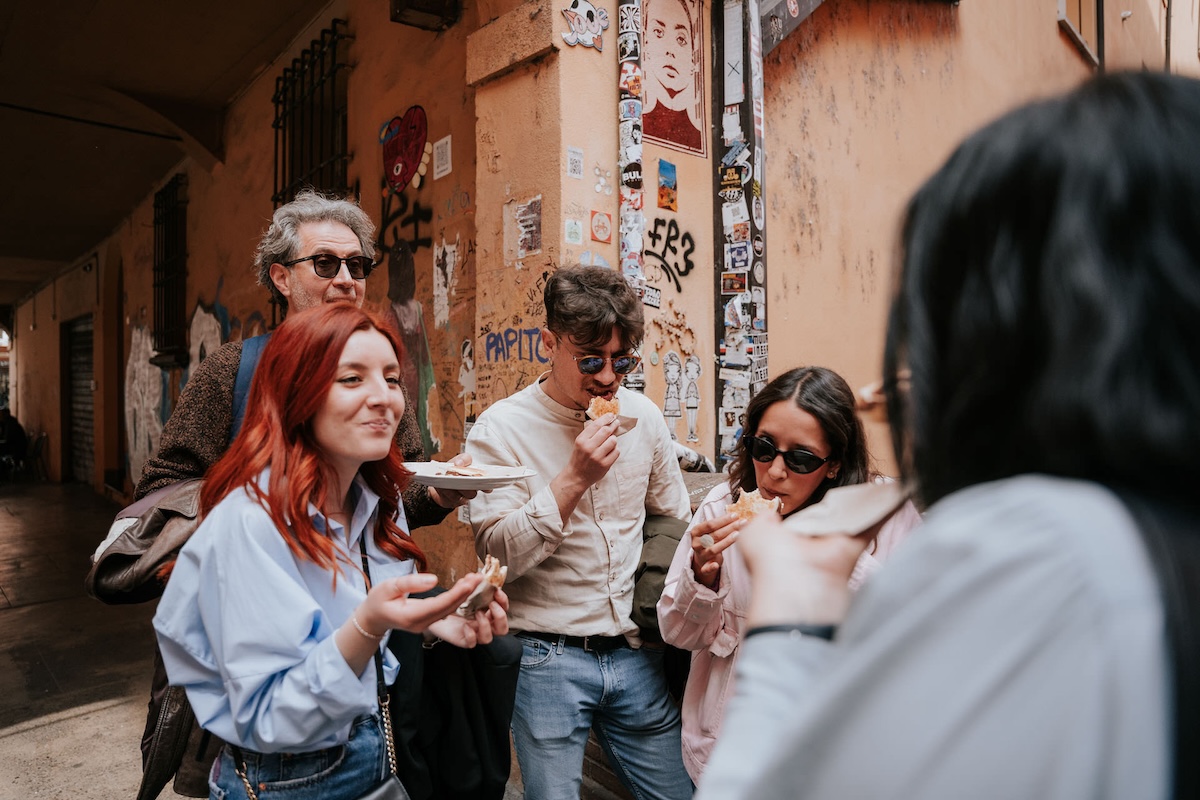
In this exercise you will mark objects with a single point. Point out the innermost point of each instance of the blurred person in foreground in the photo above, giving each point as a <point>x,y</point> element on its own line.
<point>1038,637</point>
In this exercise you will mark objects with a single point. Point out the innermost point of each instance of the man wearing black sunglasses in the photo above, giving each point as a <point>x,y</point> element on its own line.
<point>571,537</point>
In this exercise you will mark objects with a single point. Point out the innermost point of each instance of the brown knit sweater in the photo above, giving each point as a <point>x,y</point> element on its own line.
<point>197,435</point>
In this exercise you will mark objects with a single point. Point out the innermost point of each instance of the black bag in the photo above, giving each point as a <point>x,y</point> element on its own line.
<point>451,711</point>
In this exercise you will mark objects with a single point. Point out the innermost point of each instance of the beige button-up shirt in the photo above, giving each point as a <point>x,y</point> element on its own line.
<point>575,578</point>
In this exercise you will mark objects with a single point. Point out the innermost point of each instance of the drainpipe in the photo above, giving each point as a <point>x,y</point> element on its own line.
<point>1167,59</point>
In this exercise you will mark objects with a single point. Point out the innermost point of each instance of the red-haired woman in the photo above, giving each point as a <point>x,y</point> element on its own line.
<point>267,621</point>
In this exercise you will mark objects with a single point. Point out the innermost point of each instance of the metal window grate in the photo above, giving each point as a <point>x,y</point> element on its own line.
<point>310,119</point>
<point>170,273</point>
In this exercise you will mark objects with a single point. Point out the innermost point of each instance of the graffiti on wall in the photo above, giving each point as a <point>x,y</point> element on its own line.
<point>144,397</point>
<point>587,23</point>
<point>445,262</point>
<point>669,254</point>
<point>399,237</point>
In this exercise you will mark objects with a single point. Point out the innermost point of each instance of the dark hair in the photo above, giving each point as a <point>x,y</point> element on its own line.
<point>826,395</point>
<point>1048,306</point>
<point>584,303</point>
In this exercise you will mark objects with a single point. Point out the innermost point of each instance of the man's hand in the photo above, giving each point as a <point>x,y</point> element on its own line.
<point>592,455</point>
<point>595,450</point>
<point>453,498</point>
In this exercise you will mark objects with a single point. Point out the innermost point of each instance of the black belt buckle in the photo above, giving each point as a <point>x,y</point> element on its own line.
<point>602,644</point>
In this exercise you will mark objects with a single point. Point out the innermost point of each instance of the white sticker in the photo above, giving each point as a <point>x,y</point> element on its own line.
<point>441,157</point>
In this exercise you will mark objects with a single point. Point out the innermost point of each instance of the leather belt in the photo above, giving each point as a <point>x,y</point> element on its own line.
<point>592,644</point>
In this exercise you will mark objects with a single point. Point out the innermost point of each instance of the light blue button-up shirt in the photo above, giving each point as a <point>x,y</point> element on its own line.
<point>246,627</point>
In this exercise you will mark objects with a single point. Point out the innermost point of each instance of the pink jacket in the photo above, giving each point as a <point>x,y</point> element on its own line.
<point>710,624</point>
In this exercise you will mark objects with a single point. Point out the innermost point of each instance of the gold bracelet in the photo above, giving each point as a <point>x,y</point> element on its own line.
<point>363,631</point>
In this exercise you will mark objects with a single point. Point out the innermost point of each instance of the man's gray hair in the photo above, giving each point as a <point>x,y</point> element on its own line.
<point>282,238</point>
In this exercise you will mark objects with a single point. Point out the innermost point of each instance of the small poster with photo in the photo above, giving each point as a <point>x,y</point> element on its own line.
<point>668,187</point>
<point>734,282</point>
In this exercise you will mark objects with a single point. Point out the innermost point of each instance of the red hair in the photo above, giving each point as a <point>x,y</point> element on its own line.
<point>295,373</point>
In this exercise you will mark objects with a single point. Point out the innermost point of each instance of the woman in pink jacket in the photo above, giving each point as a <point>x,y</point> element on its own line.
<point>802,438</point>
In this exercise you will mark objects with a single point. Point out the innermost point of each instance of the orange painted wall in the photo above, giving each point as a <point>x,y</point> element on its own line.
<point>864,101</point>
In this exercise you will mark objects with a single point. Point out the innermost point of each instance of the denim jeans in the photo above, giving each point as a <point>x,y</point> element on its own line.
<point>345,771</point>
<point>563,691</point>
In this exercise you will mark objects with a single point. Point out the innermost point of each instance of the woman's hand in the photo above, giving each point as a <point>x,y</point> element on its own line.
<point>710,538</point>
<point>388,605</point>
<point>485,625</point>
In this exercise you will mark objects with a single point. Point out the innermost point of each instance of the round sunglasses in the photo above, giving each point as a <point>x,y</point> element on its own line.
<point>622,365</point>
<point>799,461</point>
<point>327,265</point>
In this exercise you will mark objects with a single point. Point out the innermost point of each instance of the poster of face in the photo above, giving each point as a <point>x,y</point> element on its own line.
<point>673,79</point>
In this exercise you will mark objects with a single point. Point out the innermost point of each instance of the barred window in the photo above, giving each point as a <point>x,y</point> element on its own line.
<point>310,118</point>
<point>170,274</point>
<point>1082,20</point>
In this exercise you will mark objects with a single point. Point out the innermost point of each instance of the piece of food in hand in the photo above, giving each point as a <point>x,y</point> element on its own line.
<point>751,504</point>
<point>493,578</point>
<point>600,406</point>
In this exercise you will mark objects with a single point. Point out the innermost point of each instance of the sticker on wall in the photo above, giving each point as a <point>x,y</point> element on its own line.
<point>406,149</point>
<point>730,420</point>
<point>592,259</point>
<point>441,158</point>
<point>629,47</point>
<point>673,376</point>
<point>575,163</point>
<point>691,394</point>
<point>573,231</point>
<point>734,282</point>
<point>630,81</point>
<point>674,75</point>
<point>737,256</point>
<point>522,229</point>
<point>587,23</point>
<point>668,187</point>
<point>445,265</point>
<point>652,297</point>
<point>603,180</point>
<point>601,227</point>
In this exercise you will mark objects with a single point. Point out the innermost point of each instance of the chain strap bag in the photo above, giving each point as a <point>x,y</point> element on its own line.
<point>390,788</point>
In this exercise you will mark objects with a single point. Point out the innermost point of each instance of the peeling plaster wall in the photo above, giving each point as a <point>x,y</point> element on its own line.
<point>864,100</point>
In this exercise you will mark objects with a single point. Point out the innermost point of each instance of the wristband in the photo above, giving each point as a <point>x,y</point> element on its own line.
<point>819,631</point>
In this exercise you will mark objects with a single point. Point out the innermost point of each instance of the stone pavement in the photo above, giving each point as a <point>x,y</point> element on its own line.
<point>74,672</point>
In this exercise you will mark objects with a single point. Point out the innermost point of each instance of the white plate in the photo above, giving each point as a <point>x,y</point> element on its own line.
<point>432,473</point>
<point>848,510</point>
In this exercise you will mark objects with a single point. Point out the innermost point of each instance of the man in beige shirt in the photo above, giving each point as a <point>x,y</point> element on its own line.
<point>571,536</point>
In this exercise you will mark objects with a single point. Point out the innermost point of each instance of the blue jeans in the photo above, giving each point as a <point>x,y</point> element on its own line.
<point>345,771</point>
<point>564,691</point>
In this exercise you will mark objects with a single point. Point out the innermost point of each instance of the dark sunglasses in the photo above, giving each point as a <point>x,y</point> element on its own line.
<point>328,265</point>
<point>622,365</point>
<point>798,461</point>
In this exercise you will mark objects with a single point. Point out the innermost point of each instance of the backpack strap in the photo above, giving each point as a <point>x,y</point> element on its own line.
<point>251,351</point>
<point>1172,537</point>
